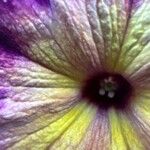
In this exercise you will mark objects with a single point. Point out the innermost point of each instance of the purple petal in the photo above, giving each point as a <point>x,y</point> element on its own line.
<point>29,92</point>
<point>44,2</point>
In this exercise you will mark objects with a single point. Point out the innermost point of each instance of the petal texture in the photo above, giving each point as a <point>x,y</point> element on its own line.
<point>61,128</point>
<point>30,97</point>
<point>134,54</point>
<point>123,134</point>
<point>139,116</point>
<point>76,36</point>
<point>57,36</point>
<point>41,109</point>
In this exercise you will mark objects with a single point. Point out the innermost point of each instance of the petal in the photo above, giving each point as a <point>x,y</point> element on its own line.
<point>31,97</point>
<point>74,130</point>
<point>58,36</point>
<point>98,133</point>
<point>109,20</point>
<point>47,136</point>
<point>135,55</point>
<point>140,116</point>
<point>123,135</point>
<point>141,78</point>
<point>80,35</point>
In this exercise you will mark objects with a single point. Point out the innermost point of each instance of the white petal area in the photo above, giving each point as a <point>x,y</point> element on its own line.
<point>40,109</point>
<point>31,96</point>
<point>24,102</point>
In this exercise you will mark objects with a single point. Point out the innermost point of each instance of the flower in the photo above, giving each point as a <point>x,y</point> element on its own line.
<point>74,74</point>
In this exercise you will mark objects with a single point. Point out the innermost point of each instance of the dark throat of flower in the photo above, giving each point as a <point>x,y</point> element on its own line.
<point>107,90</point>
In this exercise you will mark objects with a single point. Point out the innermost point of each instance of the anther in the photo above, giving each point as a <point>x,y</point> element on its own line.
<point>111,94</point>
<point>107,90</point>
<point>102,92</point>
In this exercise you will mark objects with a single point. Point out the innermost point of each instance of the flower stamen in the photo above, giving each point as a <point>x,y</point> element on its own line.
<point>107,90</point>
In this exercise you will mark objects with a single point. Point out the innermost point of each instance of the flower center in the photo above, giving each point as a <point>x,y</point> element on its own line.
<point>107,90</point>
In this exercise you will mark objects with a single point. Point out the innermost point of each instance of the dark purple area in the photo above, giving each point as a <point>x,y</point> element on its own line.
<point>43,2</point>
<point>9,50</point>
<point>6,5</point>
<point>136,3</point>
<point>90,91</point>
<point>3,94</point>
<point>6,2</point>
<point>8,43</point>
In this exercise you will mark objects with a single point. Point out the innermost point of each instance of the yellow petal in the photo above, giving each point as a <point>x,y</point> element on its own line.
<point>140,115</point>
<point>64,133</point>
<point>123,135</point>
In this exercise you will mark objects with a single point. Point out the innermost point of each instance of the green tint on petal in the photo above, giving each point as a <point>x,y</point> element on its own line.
<point>53,37</point>
<point>140,115</point>
<point>135,51</point>
<point>123,135</point>
<point>113,38</point>
<point>73,137</point>
<point>112,19</point>
<point>144,103</point>
<point>41,109</point>
<point>70,37</point>
<point>69,129</point>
